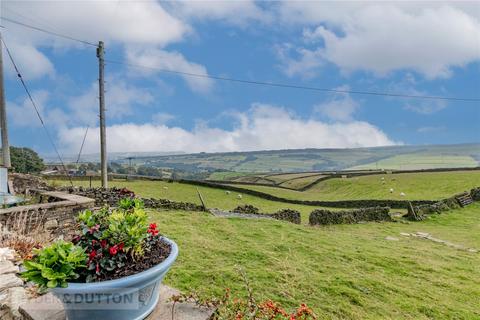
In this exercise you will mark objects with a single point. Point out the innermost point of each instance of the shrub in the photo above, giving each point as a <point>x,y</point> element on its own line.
<point>54,265</point>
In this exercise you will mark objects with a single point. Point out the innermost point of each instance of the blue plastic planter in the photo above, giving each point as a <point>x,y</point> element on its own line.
<point>129,298</point>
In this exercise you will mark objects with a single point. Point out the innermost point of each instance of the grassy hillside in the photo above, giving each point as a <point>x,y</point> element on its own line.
<point>343,272</point>
<point>427,185</point>
<point>214,198</point>
<point>404,157</point>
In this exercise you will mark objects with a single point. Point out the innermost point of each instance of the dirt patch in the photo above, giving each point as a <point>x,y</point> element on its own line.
<point>428,236</point>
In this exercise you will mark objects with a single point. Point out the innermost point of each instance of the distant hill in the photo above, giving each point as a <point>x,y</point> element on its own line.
<point>393,157</point>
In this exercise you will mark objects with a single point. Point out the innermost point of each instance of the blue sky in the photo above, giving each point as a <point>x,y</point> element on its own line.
<point>424,48</point>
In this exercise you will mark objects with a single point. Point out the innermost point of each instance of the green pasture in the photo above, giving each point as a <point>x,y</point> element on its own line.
<point>416,186</point>
<point>342,271</point>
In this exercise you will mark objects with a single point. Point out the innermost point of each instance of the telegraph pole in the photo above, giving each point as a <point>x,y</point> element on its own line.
<point>3,115</point>
<point>103,138</point>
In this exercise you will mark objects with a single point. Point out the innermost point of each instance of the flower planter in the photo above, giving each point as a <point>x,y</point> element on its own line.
<point>130,298</point>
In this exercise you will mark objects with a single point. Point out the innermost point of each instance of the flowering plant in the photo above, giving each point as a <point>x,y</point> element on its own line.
<point>110,241</point>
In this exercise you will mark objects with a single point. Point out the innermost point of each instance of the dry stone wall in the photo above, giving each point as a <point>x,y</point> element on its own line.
<point>325,217</point>
<point>56,217</point>
<point>111,196</point>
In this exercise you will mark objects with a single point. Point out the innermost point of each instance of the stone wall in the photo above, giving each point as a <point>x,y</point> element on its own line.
<point>111,196</point>
<point>289,215</point>
<point>56,216</point>
<point>22,183</point>
<point>420,212</point>
<point>397,204</point>
<point>324,217</point>
<point>475,194</point>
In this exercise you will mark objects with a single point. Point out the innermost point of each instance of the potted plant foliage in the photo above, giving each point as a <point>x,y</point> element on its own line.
<point>112,268</point>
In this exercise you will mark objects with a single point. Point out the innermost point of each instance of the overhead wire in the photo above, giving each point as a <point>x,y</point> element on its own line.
<point>293,86</point>
<point>61,35</point>
<point>19,75</point>
<point>250,82</point>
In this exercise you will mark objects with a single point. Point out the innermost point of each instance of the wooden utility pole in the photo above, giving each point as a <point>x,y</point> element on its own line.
<point>103,135</point>
<point>3,114</point>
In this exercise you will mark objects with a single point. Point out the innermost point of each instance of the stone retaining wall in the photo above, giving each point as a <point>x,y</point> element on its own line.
<point>56,216</point>
<point>324,217</point>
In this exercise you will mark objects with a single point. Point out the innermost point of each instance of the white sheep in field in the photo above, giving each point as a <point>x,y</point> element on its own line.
<point>382,178</point>
<point>227,192</point>
<point>239,197</point>
<point>391,190</point>
<point>165,188</point>
<point>402,194</point>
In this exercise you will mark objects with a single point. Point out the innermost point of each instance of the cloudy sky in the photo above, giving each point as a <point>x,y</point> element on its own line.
<point>413,48</point>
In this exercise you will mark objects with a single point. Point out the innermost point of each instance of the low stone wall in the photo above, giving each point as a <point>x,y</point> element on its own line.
<point>420,212</point>
<point>112,196</point>
<point>475,194</point>
<point>57,216</point>
<point>289,215</point>
<point>247,208</point>
<point>22,183</point>
<point>325,217</point>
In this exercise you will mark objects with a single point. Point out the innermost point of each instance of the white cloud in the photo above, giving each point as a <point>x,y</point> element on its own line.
<point>131,24</point>
<point>428,38</point>
<point>172,61</point>
<point>32,63</point>
<point>125,22</point>
<point>120,99</point>
<point>262,127</point>
<point>234,12</point>
<point>340,108</point>
<point>162,118</point>
<point>23,114</point>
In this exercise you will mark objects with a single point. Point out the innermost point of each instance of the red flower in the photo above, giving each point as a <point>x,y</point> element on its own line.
<point>103,243</point>
<point>153,229</point>
<point>120,246</point>
<point>113,250</point>
<point>92,255</point>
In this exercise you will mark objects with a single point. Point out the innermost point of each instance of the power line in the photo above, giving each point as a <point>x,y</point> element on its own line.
<point>81,147</point>
<point>36,108</point>
<point>47,31</point>
<point>251,82</point>
<point>293,86</point>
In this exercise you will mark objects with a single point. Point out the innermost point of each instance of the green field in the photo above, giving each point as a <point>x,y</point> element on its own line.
<point>414,162</point>
<point>343,272</point>
<point>301,160</point>
<point>416,186</point>
<point>214,198</point>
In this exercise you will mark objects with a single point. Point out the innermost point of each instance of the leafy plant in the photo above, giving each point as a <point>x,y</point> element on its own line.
<point>55,265</point>
<point>129,228</point>
<point>130,204</point>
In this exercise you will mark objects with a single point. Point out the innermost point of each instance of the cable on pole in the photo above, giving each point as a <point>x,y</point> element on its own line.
<point>48,31</point>
<point>293,86</point>
<point>36,110</point>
